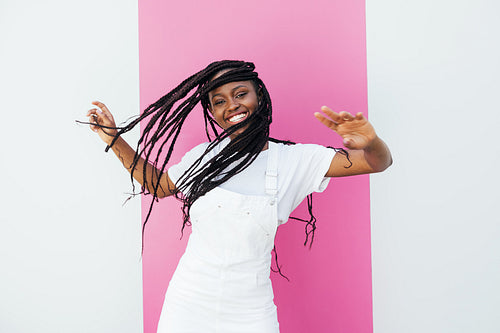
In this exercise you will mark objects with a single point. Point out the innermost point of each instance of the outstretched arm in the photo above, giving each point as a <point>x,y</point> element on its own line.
<point>367,152</point>
<point>125,153</point>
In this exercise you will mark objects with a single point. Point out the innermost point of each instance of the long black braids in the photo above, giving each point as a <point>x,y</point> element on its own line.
<point>163,123</point>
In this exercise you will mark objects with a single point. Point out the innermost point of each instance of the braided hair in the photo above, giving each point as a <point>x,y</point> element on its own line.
<point>163,123</point>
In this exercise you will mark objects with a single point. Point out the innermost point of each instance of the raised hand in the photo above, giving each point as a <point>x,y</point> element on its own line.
<point>102,122</point>
<point>356,131</point>
<point>102,117</point>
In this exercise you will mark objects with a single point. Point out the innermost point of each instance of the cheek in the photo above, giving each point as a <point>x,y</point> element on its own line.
<point>255,105</point>
<point>218,116</point>
<point>213,112</point>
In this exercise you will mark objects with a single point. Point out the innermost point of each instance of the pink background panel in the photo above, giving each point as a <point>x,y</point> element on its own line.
<point>308,54</point>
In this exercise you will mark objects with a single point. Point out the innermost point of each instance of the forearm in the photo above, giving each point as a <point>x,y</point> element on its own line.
<point>378,155</point>
<point>126,155</point>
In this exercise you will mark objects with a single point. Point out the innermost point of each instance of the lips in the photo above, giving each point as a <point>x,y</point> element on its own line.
<point>238,117</point>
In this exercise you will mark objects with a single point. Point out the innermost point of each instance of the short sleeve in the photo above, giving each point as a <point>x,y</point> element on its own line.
<point>176,171</point>
<point>325,157</point>
<point>315,162</point>
<point>306,166</point>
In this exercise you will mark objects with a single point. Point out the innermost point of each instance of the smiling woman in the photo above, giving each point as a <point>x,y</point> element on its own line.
<point>236,190</point>
<point>232,103</point>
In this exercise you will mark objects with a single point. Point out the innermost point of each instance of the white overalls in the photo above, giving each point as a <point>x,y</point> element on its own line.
<point>222,283</point>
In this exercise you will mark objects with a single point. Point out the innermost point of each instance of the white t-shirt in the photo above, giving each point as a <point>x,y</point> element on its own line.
<point>301,171</point>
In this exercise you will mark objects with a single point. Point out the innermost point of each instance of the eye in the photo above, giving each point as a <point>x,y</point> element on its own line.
<point>241,94</point>
<point>219,102</point>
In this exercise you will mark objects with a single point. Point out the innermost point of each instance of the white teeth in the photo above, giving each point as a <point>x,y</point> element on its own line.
<point>237,117</point>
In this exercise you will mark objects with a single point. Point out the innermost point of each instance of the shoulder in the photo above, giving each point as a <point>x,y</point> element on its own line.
<point>306,158</point>
<point>303,168</point>
<point>300,150</point>
<point>175,171</point>
<point>199,149</point>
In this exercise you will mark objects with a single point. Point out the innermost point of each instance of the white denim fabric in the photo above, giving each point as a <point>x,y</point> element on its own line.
<point>222,283</point>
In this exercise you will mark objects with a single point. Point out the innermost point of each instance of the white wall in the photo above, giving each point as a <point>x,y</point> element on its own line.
<point>434,87</point>
<point>69,252</point>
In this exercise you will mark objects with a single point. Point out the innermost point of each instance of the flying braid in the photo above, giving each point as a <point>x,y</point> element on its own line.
<point>163,121</point>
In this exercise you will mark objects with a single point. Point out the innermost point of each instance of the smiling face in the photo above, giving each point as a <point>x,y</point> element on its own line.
<point>232,103</point>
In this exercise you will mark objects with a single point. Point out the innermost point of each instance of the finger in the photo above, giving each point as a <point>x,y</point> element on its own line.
<point>93,115</point>
<point>93,119</point>
<point>348,142</point>
<point>102,118</point>
<point>325,121</point>
<point>97,117</point>
<point>91,111</point>
<point>359,116</point>
<point>103,108</point>
<point>346,116</point>
<point>330,113</point>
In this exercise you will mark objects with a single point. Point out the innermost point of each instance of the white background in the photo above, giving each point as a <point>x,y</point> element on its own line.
<point>70,255</point>
<point>434,88</point>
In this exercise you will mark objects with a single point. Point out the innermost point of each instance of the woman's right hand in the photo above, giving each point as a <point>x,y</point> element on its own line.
<point>102,116</point>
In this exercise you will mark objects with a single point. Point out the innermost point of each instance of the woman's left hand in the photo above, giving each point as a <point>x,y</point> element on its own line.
<point>356,131</point>
<point>367,154</point>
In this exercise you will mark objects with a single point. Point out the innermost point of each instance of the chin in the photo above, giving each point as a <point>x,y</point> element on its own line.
<point>238,132</point>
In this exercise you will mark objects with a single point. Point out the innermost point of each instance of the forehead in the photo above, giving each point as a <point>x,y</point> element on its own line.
<point>219,73</point>
<point>228,87</point>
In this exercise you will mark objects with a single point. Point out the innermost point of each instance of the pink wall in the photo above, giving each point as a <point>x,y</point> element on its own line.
<point>309,54</point>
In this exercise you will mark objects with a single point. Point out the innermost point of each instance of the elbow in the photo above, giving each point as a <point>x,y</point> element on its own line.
<point>161,195</point>
<point>383,165</point>
<point>386,165</point>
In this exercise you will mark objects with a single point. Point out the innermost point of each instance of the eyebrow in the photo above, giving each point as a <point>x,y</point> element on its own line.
<point>232,90</point>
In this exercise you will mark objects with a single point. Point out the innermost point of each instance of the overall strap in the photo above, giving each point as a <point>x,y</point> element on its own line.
<point>272,169</point>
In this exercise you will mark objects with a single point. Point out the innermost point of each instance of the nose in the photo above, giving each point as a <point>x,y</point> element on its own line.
<point>233,105</point>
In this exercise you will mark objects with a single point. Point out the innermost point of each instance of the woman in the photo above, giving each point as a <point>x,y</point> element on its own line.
<point>235,189</point>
